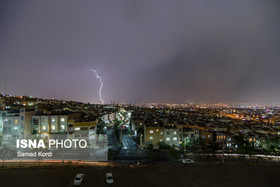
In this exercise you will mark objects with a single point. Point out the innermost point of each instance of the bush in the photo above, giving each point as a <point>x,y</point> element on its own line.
<point>150,147</point>
<point>163,146</point>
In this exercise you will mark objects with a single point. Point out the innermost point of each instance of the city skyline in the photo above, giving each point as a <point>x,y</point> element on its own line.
<point>145,52</point>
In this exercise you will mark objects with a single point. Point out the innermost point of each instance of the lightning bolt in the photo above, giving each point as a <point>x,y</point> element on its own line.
<point>101,84</point>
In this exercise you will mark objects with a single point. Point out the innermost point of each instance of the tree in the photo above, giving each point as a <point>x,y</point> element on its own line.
<point>101,127</point>
<point>173,152</point>
<point>163,146</point>
<point>242,144</point>
<point>271,144</point>
<point>150,147</point>
<point>117,124</point>
<point>194,143</point>
<point>182,147</point>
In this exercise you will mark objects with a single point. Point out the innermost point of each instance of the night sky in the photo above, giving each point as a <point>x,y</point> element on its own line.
<point>145,51</point>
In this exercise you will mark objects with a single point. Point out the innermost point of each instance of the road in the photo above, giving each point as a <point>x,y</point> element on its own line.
<point>131,152</point>
<point>157,175</point>
<point>112,140</point>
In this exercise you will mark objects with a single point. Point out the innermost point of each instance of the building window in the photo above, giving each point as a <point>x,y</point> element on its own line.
<point>140,123</point>
<point>22,117</point>
<point>167,133</point>
<point>53,127</point>
<point>209,136</point>
<point>151,131</point>
<point>44,127</point>
<point>167,139</point>
<point>174,132</point>
<point>77,129</point>
<point>62,119</point>
<point>174,139</point>
<point>151,138</point>
<point>62,127</point>
<point>203,136</point>
<point>229,139</point>
<point>16,121</point>
<point>157,130</point>
<point>53,119</point>
<point>161,133</point>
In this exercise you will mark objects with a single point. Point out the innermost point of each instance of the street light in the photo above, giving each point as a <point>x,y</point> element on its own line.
<point>141,140</point>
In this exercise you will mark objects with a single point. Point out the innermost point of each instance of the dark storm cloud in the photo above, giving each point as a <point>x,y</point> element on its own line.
<point>145,51</point>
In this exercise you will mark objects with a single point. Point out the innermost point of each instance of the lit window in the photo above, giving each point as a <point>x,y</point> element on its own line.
<point>53,127</point>
<point>174,139</point>
<point>209,136</point>
<point>15,128</point>
<point>161,133</point>
<point>174,132</point>
<point>62,127</point>
<point>53,119</point>
<point>229,139</point>
<point>157,130</point>
<point>203,136</point>
<point>151,131</point>
<point>161,140</point>
<point>44,127</point>
<point>168,139</point>
<point>140,123</point>
<point>16,121</point>
<point>77,129</point>
<point>62,119</point>
<point>151,138</point>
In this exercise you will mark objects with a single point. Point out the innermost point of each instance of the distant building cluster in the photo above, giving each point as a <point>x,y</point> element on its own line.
<point>204,126</point>
<point>28,117</point>
<point>207,126</point>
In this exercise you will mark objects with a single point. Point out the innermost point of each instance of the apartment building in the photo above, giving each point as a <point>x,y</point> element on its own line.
<point>171,135</point>
<point>153,134</point>
<point>49,124</point>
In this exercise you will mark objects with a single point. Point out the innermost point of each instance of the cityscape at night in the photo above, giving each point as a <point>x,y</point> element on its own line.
<point>139,93</point>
